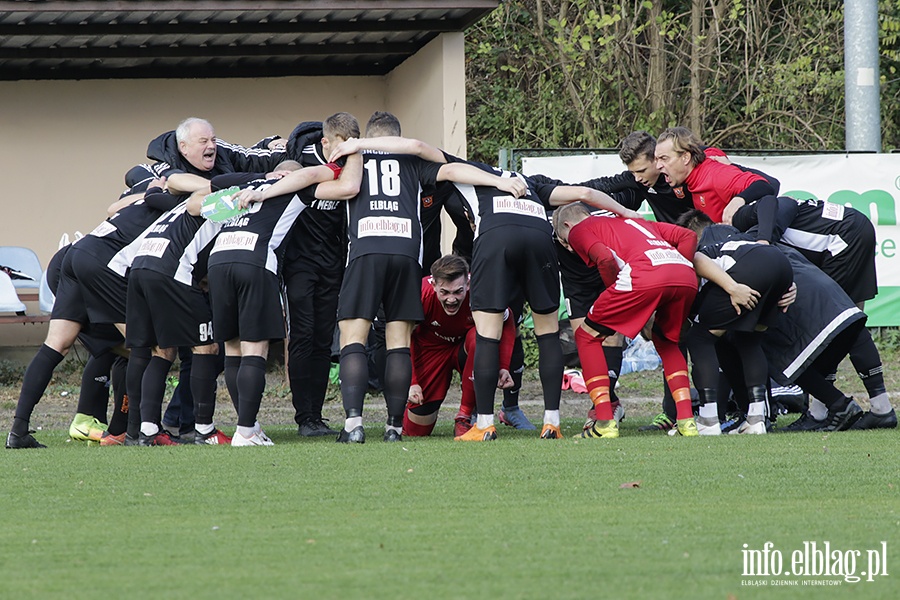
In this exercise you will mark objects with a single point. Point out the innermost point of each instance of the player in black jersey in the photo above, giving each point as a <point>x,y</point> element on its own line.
<point>643,181</point>
<point>105,366</point>
<point>724,265</point>
<point>805,343</point>
<point>243,277</point>
<point>189,157</point>
<point>840,240</point>
<point>513,251</point>
<point>167,308</point>
<point>312,269</point>
<point>384,266</point>
<point>92,289</point>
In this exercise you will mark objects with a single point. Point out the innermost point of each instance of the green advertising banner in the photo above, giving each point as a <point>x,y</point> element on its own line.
<point>869,183</point>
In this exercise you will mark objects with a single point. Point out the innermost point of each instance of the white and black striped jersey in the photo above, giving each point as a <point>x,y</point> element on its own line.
<point>725,245</point>
<point>384,217</point>
<point>256,237</point>
<point>177,245</point>
<point>492,208</point>
<point>818,226</point>
<point>116,240</point>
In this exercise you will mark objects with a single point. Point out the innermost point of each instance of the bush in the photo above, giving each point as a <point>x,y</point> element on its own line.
<point>10,373</point>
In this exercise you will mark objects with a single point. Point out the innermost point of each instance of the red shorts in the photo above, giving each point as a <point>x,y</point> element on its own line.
<point>628,312</point>
<point>433,368</point>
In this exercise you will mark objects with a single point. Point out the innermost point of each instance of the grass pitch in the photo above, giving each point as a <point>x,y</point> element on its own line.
<point>430,518</point>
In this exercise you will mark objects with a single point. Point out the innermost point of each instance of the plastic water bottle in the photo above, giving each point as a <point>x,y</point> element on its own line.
<point>639,355</point>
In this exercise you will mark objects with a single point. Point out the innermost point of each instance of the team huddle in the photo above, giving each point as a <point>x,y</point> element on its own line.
<point>331,231</point>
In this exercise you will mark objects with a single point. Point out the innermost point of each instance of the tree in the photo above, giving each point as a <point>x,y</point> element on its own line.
<point>743,74</point>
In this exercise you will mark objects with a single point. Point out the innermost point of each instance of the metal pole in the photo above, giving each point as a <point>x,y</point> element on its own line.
<point>861,85</point>
<point>503,159</point>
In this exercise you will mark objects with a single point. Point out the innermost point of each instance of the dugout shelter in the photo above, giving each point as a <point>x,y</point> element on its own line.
<point>86,84</point>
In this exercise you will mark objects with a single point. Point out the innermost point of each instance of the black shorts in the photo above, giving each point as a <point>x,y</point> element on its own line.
<point>581,284</point>
<point>100,339</point>
<point>854,268</point>
<point>373,280</point>
<point>509,259</point>
<point>246,303</point>
<point>765,269</point>
<point>89,291</point>
<point>166,313</point>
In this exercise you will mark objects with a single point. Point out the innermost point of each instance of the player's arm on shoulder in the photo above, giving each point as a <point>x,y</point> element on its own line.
<point>162,200</point>
<point>742,296</point>
<point>616,183</point>
<point>122,202</point>
<point>155,186</point>
<point>747,188</point>
<point>345,187</point>
<point>187,183</point>
<point>391,144</point>
<point>256,158</point>
<point>465,173</point>
<point>566,194</point>
<point>195,203</point>
<point>290,183</point>
<point>684,240</point>
<point>717,155</point>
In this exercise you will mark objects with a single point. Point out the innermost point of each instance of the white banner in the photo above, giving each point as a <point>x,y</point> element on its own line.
<point>869,183</point>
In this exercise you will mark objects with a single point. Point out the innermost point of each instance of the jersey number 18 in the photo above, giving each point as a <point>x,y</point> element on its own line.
<point>390,177</point>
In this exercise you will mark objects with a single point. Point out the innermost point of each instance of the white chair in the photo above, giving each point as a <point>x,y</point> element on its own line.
<point>25,261</point>
<point>45,296</point>
<point>9,298</point>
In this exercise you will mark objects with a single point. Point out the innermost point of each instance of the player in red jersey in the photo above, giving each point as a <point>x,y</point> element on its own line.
<point>443,342</point>
<point>717,189</point>
<point>647,267</point>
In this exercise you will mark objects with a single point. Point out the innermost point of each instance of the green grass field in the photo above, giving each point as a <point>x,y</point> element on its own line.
<point>430,518</point>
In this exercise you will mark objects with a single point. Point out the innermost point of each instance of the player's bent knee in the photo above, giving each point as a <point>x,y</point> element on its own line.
<point>418,425</point>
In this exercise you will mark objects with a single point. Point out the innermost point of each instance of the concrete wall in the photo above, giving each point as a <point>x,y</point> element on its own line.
<point>66,145</point>
<point>433,82</point>
<point>427,93</point>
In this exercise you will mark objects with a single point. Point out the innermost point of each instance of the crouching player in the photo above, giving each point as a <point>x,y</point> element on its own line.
<point>647,267</point>
<point>443,342</point>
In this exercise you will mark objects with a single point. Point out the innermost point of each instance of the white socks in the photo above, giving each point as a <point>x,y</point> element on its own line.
<point>246,432</point>
<point>880,404</point>
<point>817,409</point>
<point>710,411</point>
<point>551,417</point>
<point>485,421</point>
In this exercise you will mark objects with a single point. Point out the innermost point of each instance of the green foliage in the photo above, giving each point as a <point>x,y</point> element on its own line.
<point>889,44</point>
<point>743,74</point>
<point>888,341</point>
<point>10,372</point>
<point>530,347</point>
